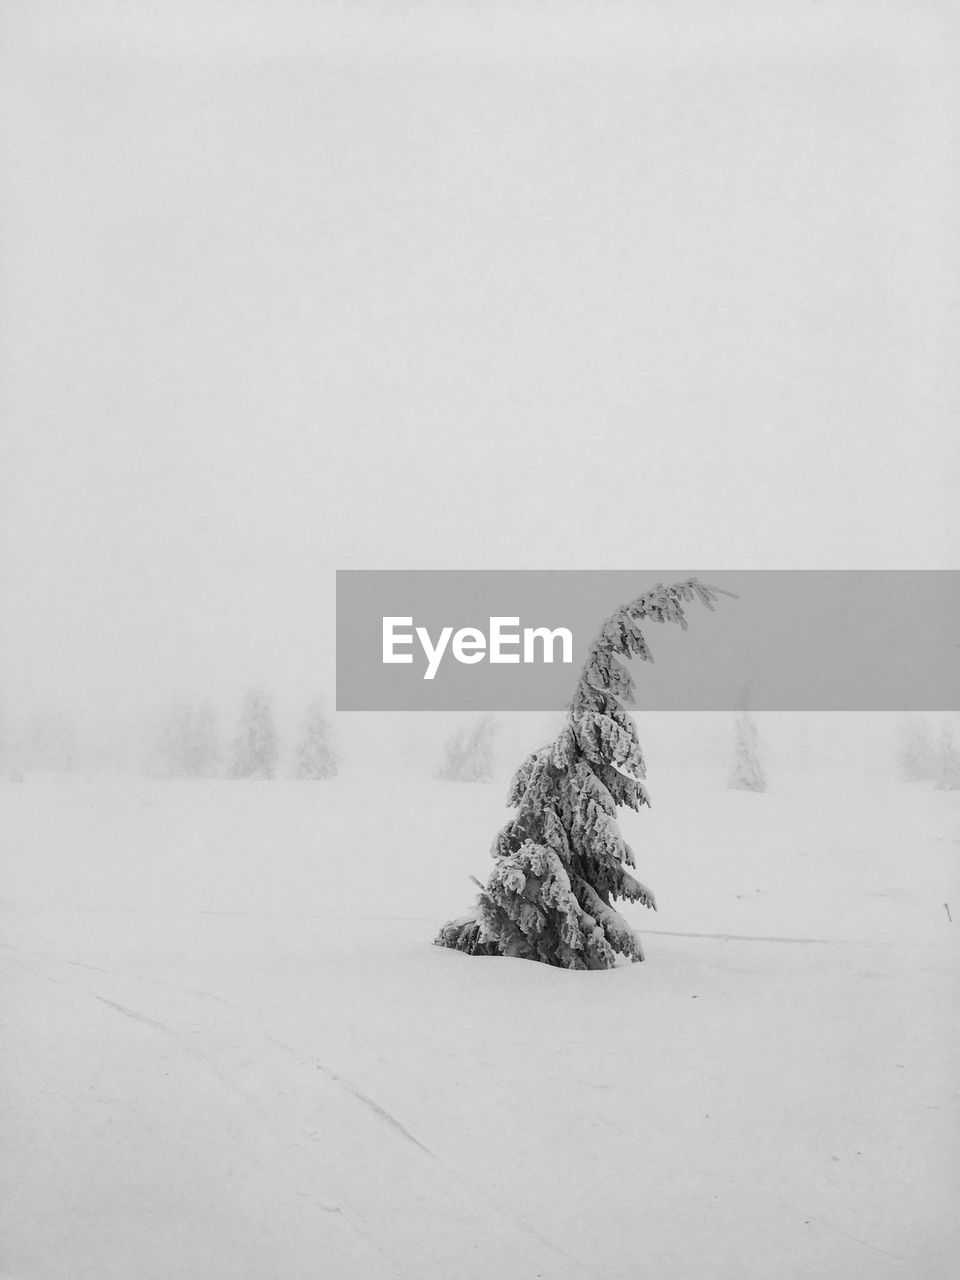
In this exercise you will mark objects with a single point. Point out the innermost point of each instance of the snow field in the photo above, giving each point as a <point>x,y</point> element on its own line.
<point>231,1051</point>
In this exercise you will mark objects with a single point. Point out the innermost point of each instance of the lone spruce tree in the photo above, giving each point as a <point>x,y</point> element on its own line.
<point>560,861</point>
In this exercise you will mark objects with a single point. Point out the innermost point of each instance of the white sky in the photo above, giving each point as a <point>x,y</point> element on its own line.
<point>295,287</point>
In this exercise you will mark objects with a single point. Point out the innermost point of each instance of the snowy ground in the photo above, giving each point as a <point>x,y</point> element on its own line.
<point>231,1051</point>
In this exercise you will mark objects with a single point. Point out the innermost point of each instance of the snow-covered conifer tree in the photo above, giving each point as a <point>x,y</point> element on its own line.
<point>453,749</point>
<point>468,757</point>
<point>256,747</point>
<point>747,772</point>
<point>948,761</point>
<point>918,755</point>
<point>561,861</point>
<point>316,758</point>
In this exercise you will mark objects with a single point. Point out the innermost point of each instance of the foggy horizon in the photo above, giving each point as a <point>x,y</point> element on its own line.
<point>355,293</point>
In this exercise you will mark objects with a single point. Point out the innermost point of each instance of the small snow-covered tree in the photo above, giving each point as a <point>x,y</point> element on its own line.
<point>256,747</point>
<point>453,749</point>
<point>948,761</point>
<point>747,772</point>
<point>316,758</point>
<point>468,757</point>
<point>560,861</point>
<point>917,752</point>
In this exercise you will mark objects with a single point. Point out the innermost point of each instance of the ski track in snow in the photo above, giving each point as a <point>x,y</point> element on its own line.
<point>747,937</point>
<point>348,1087</point>
<point>812,1217</point>
<point>132,1013</point>
<point>351,1216</point>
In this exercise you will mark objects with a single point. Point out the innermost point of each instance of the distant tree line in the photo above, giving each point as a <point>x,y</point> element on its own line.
<point>189,745</point>
<point>189,740</point>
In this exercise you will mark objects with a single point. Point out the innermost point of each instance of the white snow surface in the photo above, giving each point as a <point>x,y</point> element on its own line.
<point>231,1051</point>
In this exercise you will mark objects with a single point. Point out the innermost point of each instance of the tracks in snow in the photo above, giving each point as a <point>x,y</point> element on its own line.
<point>338,1150</point>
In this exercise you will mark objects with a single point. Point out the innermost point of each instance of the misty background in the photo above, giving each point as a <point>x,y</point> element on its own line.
<point>291,288</point>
